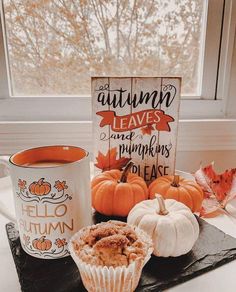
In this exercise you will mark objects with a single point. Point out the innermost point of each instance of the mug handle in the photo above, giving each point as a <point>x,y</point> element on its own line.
<point>3,210</point>
<point>4,160</point>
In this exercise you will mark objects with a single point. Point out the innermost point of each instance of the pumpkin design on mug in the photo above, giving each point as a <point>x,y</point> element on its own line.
<point>42,243</point>
<point>40,188</point>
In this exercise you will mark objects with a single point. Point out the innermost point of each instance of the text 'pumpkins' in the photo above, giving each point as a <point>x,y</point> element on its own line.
<point>114,193</point>
<point>172,226</point>
<point>174,187</point>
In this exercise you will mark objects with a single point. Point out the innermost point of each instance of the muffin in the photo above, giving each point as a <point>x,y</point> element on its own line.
<point>110,256</point>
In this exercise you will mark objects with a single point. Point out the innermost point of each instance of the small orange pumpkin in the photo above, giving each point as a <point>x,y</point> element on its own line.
<point>114,193</point>
<point>174,187</point>
<point>40,188</point>
<point>42,243</point>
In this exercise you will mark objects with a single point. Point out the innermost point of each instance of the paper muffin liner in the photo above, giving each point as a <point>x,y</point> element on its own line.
<point>111,279</point>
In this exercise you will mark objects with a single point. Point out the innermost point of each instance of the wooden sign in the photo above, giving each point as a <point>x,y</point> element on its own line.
<point>136,118</point>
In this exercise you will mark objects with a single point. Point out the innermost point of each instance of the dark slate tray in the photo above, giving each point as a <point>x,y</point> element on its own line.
<point>213,249</point>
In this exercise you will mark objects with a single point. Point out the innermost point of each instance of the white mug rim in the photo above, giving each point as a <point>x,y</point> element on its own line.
<point>48,167</point>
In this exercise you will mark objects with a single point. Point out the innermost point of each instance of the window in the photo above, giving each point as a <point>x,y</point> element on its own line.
<point>51,41</point>
<point>51,48</point>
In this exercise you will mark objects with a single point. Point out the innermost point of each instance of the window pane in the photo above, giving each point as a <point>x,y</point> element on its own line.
<point>54,46</point>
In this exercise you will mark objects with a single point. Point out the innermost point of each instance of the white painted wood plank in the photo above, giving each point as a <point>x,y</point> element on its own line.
<point>120,140</point>
<point>100,135</point>
<point>168,140</point>
<point>146,137</point>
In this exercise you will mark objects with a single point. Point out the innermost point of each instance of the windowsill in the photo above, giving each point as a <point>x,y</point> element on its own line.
<point>74,108</point>
<point>194,135</point>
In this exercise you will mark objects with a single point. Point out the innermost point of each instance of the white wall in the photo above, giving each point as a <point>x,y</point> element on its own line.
<point>190,161</point>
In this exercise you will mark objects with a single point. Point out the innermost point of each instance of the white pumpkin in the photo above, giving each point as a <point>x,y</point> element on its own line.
<point>172,226</point>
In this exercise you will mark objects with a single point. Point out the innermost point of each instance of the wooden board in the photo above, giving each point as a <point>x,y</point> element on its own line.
<point>136,118</point>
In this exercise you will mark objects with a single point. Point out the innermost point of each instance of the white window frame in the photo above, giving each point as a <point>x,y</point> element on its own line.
<point>21,116</point>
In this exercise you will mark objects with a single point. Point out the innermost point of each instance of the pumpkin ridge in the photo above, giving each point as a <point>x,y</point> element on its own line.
<point>123,205</point>
<point>194,204</point>
<point>96,187</point>
<point>198,189</point>
<point>176,237</point>
<point>98,197</point>
<point>154,232</point>
<point>138,220</point>
<point>183,193</point>
<point>165,179</point>
<point>160,189</point>
<point>142,185</point>
<point>170,203</point>
<point>172,193</point>
<point>197,203</point>
<point>192,228</point>
<point>194,185</point>
<point>32,189</point>
<point>165,221</point>
<point>136,193</point>
<point>133,195</point>
<point>99,179</point>
<point>37,189</point>
<point>95,193</point>
<point>195,232</point>
<point>186,216</point>
<point>114,174</point>
<point>104,201</point>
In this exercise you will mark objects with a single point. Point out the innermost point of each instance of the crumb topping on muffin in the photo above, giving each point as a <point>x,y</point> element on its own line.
<point>111,243</point>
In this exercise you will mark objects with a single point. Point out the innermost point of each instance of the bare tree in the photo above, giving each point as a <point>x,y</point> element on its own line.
<point>56,45</point>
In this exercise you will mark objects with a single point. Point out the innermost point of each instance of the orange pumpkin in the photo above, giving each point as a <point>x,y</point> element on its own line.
<point>42,243</point>
<point>115,192</point>
<point>174,187</point>
<point>40,188</point>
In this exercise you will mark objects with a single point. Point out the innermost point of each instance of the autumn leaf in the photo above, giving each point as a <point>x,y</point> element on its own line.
<point>60,185</point>
<point>60,242</point>
<point>147,130</point>
<point>109,160</point>
<point>219,190</point>
<point>211,208</point>
<point>22,184</point>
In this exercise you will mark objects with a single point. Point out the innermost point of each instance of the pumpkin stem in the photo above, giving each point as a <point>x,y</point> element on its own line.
<point>40,181</point>
<point>162,206</point>
<point>175,182</point>
<point>42,238</point>
<point>125,172</point>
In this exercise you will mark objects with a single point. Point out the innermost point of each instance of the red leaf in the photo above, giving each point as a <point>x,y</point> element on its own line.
<point>210,214</point>
<point>218,189</point>
<point>147,130</point>
<point>109,161</point>
<point>210,208</point>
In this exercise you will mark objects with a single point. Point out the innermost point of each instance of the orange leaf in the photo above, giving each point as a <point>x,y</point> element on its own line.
<point>218,189</point>
<point>60,185</point>
<point>109,160</point>
<point>211,214</point>
<point>147,130</point>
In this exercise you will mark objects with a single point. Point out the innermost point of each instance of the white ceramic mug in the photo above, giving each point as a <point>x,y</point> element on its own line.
<point>51,188</point>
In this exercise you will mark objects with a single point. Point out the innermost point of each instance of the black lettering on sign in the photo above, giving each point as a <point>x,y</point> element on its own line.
<point>116,97</point>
